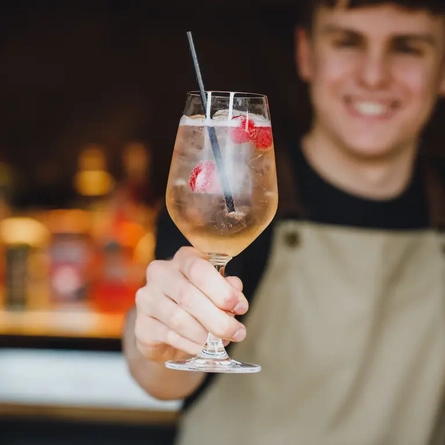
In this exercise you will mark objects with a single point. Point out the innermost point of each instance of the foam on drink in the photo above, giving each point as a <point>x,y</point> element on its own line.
<point>221,119</point>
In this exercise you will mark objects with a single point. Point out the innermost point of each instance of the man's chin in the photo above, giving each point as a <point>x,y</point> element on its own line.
<point>377,150</point>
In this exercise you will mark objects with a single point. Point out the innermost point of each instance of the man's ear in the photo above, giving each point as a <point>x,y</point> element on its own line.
<point>303,58</point>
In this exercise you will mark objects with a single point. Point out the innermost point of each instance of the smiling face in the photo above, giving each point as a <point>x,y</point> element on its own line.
<point>374,73</point>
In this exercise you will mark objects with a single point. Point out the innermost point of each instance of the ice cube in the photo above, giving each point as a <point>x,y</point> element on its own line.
<point>260,164</point>
<point>222,115</point>
<point>192,121</point>
<point>238,220</point>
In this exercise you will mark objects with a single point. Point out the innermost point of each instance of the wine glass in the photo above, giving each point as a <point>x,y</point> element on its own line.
<point>222,190</point>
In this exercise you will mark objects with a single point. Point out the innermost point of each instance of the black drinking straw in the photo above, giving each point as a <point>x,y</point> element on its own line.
<point>212,133</point>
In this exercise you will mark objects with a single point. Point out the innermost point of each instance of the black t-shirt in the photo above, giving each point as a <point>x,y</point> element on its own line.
<point>323,204</point>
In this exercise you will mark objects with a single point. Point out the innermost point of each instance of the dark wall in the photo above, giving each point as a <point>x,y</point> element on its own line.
<point>110,73</point>
<point>115,71</point>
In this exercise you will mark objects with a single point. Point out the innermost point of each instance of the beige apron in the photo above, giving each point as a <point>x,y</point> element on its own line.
<point>349,326</point>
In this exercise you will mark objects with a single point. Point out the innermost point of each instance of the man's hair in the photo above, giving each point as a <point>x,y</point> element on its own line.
<point>436,7</point>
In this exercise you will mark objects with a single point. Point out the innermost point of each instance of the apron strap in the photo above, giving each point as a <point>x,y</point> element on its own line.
<point>434,185</point>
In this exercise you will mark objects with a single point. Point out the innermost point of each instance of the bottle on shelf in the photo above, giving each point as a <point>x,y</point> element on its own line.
<point>71,258</point>
<point>25,284</point>
<point>93,182</point>
<point>5,211</point>
<point>124,238</point>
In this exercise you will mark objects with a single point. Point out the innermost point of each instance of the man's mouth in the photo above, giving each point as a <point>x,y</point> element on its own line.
<point>372,108</point>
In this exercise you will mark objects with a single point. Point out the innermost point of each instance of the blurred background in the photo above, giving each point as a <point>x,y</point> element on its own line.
<point>90,98</point>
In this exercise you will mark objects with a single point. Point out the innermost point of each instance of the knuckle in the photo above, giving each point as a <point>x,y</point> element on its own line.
<point>173,338</point>
<point>140,297</point>
<point>236,282</point>
<point>193,268</point>
<point>153,269</point>
<point>178,320</point>
<point>184,297</point>
<point>183,252</point>
<point>230,299</point>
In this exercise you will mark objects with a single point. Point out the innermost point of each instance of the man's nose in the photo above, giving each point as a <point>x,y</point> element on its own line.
<point>374,70</point>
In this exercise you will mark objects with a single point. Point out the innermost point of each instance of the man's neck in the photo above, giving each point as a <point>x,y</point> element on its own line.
<point>378,178</point>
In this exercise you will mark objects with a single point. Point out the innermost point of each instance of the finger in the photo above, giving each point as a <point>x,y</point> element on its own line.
<point>193,301</point>
<point>152,336</point>
<point>152,301</point>
<point>236,283</point>
<point>203,275</point>
<point>177,319</point>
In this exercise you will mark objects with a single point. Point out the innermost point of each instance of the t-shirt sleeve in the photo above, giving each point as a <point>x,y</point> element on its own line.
<point>168,237</point>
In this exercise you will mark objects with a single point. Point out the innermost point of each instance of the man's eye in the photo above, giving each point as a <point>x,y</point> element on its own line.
<point>408,49</point>
<point>345,43</point>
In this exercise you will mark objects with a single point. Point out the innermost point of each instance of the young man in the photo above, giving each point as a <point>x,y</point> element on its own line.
<point>347,286</point>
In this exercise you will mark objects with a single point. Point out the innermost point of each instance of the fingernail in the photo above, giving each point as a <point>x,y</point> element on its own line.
<point>239,335</point>
<point>241,308</point>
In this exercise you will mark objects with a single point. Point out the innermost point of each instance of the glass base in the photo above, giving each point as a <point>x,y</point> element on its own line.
<point>199,364</point>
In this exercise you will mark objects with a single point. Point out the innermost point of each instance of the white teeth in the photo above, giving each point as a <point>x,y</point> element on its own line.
<point>371,108</point>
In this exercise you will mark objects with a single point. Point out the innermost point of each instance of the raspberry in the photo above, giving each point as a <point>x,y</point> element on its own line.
<point>245,132</point>
<point>263,138</point>
<point>204,178</point>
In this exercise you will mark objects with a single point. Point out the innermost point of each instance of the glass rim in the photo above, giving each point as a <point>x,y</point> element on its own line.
<point>226,93</point>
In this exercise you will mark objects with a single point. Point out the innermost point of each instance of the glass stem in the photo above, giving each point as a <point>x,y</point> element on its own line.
<point>214,347</point>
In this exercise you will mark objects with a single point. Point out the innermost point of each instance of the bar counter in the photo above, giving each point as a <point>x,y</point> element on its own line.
<point>69,366</point>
